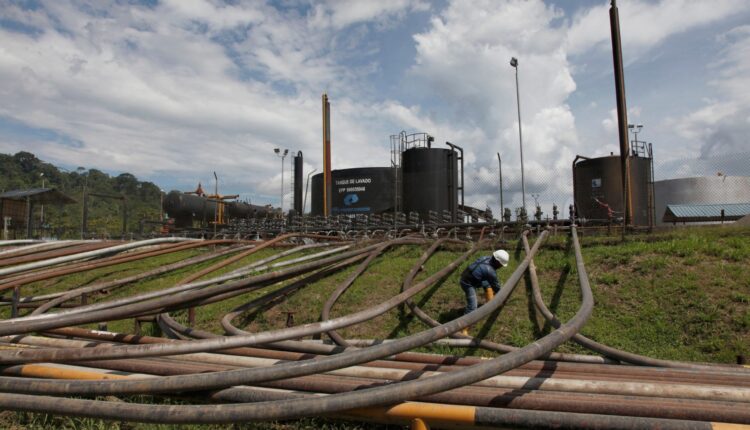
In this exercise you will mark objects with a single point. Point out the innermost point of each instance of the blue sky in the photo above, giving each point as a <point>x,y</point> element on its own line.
<point>174,90</point>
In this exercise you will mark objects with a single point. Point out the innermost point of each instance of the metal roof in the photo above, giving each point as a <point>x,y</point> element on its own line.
<point>706,212</point>
<point>38,195</point>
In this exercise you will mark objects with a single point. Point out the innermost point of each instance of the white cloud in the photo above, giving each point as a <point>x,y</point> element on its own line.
<point>187,87</point>
<point>340,14</point>
<point>611,123</point>
<point>645,24</point>
<point>464,58</point>
<point>723,124</point>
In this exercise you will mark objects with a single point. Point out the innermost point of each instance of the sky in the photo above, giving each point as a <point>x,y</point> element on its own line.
<point>175,90</point>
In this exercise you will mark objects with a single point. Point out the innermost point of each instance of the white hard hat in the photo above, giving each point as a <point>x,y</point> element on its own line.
<point>501,256</point>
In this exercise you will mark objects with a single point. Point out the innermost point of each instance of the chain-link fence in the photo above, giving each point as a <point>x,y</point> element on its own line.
<point>497,185</point>
<point>722,165</point>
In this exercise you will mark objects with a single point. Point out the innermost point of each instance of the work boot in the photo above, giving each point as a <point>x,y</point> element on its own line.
<point>489,294</point>
<point>465,331</point>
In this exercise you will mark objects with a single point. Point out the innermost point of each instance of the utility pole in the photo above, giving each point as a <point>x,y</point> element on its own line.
<point>216,207</point>
<point>622,113</point>
<point>85,209</point>
<point>500,178</point>
<point>327,182</point>
<point>282,155</point>
<point>514,64</point>
<point>41,218</point>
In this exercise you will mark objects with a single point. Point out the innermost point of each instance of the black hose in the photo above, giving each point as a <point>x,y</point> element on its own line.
<point>338,402</point>
<point>614,353</point>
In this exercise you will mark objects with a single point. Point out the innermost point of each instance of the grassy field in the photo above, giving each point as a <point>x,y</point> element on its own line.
<point>682,294</point>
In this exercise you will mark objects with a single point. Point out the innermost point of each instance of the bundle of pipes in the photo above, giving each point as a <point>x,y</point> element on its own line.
<point>273,375</point>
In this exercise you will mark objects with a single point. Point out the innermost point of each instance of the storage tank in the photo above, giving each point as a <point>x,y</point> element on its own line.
<point>597,186</point>
<point>186,208</point>
<point>700,190</point>
<point>364,190</point>
<point>297,194</point>
<point>430,180</point>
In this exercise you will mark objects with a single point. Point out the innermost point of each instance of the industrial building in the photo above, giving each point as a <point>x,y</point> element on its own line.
<point>423,181</point>
<point>731,193</point>
<point>598,193</point>
<point>17,209</point>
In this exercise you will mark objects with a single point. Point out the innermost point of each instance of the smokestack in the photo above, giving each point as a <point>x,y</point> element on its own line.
<point>298,209</point>
<point>622,112</point>
<point>326,156</point>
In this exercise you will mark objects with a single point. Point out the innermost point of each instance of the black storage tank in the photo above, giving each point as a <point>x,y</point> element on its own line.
<point>598,184</point>
<point>364,190</point>
<point>186,208</point>
<point>430,181</point>
<point>298,166</point>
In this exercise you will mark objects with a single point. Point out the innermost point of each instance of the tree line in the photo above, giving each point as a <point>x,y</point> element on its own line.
<point>23,170</point>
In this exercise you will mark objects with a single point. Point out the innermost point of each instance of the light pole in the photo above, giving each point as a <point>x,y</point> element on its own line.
<point>42,208</point>
<point>282,155</point>
<point>216,204</point>
<point>85,209</point>
<point>161,205</point>
<point>500,176</point>
<point>514,64</point>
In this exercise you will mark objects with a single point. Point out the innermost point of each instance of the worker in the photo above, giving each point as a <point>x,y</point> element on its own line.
<point>481,274</point>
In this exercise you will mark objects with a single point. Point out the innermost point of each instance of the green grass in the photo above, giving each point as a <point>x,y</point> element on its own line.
<point>681,295</point>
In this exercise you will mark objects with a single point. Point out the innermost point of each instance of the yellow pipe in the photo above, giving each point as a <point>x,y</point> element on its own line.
<point>489,294</point>
<point>67,372</point>
<point>62,371</point>
<point>728,426</point>
<point>419,424</point>
<point>428,412</point>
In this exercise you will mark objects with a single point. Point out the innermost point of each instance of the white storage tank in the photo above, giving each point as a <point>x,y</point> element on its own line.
<point>700,190</point>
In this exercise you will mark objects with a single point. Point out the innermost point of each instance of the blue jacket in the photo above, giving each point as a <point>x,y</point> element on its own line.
<point>481,274</point>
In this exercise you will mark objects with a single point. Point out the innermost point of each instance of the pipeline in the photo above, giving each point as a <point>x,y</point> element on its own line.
<point>382,381</point>
<point>56,299</point>
<point>385,394</point>
<point>89,254</point>
<point>592,345</point>
<point>482,343</point>
<point>223,379</point>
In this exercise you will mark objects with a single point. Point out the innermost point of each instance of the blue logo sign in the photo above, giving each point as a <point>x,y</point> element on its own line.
<point>350,199</point>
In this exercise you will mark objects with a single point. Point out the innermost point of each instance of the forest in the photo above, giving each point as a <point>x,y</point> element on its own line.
<point>23,170</point>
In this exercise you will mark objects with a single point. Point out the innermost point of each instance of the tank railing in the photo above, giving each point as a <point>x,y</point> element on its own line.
<point>640,148</point>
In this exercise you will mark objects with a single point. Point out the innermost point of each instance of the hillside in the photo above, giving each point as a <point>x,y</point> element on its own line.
<point>24,170</point>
